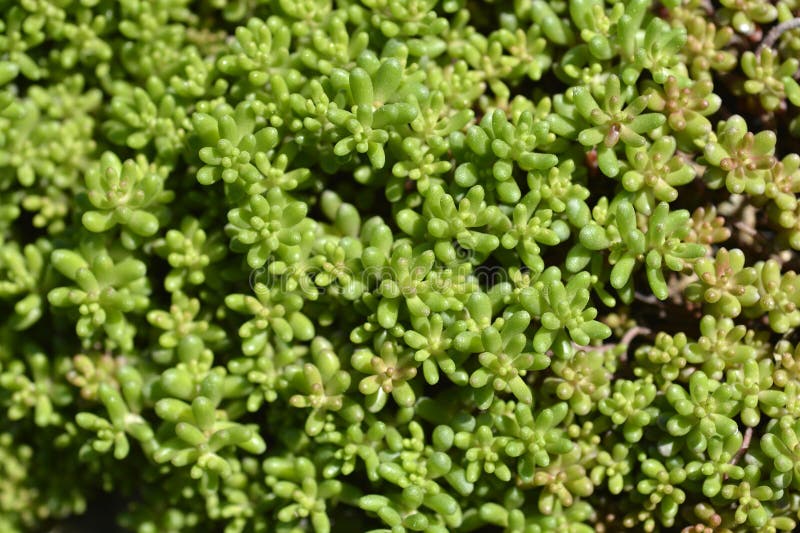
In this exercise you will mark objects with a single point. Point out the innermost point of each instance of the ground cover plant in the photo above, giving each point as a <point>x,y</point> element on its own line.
<point>400,265</point>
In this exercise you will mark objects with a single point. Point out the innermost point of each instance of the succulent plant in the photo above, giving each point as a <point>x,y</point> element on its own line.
<point>613,121</point>
<point>121,193</point>
<point>103,291</point>
<point>724,283</point>
<point>739,159</point>
<point>399,265</point>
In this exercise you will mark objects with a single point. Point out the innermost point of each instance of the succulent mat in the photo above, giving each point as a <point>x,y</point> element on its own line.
<point>400,265</point>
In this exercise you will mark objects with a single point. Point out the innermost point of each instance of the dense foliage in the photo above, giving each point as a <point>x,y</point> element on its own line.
<point>400,265</point>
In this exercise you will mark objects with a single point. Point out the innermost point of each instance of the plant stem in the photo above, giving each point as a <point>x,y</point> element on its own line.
<point>776,32</point>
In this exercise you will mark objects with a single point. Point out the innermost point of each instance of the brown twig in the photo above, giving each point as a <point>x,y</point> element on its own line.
<point>776,32</point>
<point>625,340</point>
<point>748,435</point>
<point>744,228</point>
<point>646,298</point>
